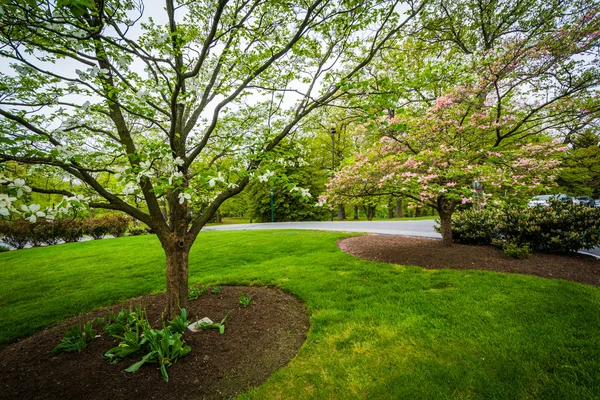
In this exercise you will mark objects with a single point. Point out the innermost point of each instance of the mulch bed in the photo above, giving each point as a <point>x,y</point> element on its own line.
<point>429,253</point>
<point>258,340</point>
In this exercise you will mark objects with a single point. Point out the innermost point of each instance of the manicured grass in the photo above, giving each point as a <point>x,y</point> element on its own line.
<point>378,331</point>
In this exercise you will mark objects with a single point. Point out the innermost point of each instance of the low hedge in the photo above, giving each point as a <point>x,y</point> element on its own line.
<point>18,234</point>
<point>560,227</point>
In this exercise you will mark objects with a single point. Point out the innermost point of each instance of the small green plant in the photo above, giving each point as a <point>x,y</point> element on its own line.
<point>216,289</point>
<point>215,325</point>
<point>165,348</point>
<point>245,299</point>
<point>195,292</point>
<point>180,323</point>
<point>4,248</point>
<point>77,338</point>
<point>515,251</point>
<point>131,342</point>
<point>126,320</point>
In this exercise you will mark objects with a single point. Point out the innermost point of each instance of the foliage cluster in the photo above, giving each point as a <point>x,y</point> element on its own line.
<point>515,251</point>
<point>560,227</point>
<point>77,337</point>
<point>163,346</point>
<point>20,233</point>
<point>115,225</point>
<point>474,226</point>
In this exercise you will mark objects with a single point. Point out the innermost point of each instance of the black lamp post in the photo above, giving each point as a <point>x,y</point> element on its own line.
<point>332,132</point>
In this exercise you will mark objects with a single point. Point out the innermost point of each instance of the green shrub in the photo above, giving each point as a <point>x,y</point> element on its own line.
<point>117,225</point>
<point>4,248</point>
<point>138,230</point>
<point>474,226</point>
<point>44,232</point>
<point>560,227</point>
<point>515,251</point>
<point>69,229</point>
<point>16,234</point>
<point>97,228</point>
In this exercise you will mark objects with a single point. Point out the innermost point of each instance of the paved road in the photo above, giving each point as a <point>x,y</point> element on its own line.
<point>421,228</point>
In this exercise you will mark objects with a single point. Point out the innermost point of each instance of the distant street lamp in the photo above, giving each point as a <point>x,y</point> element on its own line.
<point>272,193</point>
<point>332,132</point>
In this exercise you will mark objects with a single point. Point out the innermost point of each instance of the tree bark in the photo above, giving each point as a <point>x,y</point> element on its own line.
<point>399,208</point>
<point>341,213</point>
<point>370,210</point>
<point>218,218</point>
<point>355,212</point>
<point>417,211</point>
<point>177,277</point>
<point>390,210</point>
<point>446,228</point>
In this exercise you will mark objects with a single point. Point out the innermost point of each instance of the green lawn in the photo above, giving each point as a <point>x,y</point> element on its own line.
<point>378,331</point>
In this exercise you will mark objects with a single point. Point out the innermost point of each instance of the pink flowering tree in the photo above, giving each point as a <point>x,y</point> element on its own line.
<point>488,138</point>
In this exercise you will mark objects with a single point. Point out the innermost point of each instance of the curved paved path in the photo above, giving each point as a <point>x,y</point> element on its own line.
<point>420,228</point>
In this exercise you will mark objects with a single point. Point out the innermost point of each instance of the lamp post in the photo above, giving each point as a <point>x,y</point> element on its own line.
<point>332,132</point>
<point>272,193</point>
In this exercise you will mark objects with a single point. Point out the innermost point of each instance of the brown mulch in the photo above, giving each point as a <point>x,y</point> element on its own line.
<point>258,340</point>
<point>429,253</point>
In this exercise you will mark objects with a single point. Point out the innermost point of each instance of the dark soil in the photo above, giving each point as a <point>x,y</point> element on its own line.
<point>258,340</point>
<point>429,253</point>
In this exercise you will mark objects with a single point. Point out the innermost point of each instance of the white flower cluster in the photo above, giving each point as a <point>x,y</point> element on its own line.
<point>266,176</point>
<point>303,192</point>
<point>17,188</point>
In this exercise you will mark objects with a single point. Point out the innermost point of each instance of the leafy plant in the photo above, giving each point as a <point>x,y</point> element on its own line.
<point>165,348</point>
<point>131,342</point>
<point>97,228</point>
<point>245,299</point>
<point>180,323</point>
<point>516,251</point>
<point>77,338</point>
<point>4,248</point>
<point>16,233</point>
<point>195,292</point>
<point>116,225</point>
<point>126,321</point>
<point>215,325</point>
<point>136,231</point>
<point>474,226</point>
<point>216,289</point>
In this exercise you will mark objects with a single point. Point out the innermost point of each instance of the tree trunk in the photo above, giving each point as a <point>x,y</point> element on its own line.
<point>417,211</point>
<point>390,210</point>
<point>355,212</point>
<point>446,228</point>
<point>341,214</point>
<point>218,219</point>
<point>177,277</point>
<point>399,208</point>
<point>370,212</point>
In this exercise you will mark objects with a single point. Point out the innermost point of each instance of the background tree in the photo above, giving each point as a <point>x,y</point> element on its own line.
<point>181,106</point>
<point>580,168</point>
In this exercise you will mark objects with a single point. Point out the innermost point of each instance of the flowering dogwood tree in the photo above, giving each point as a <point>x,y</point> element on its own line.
<point>487,135</point>
<point>177,108</point>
